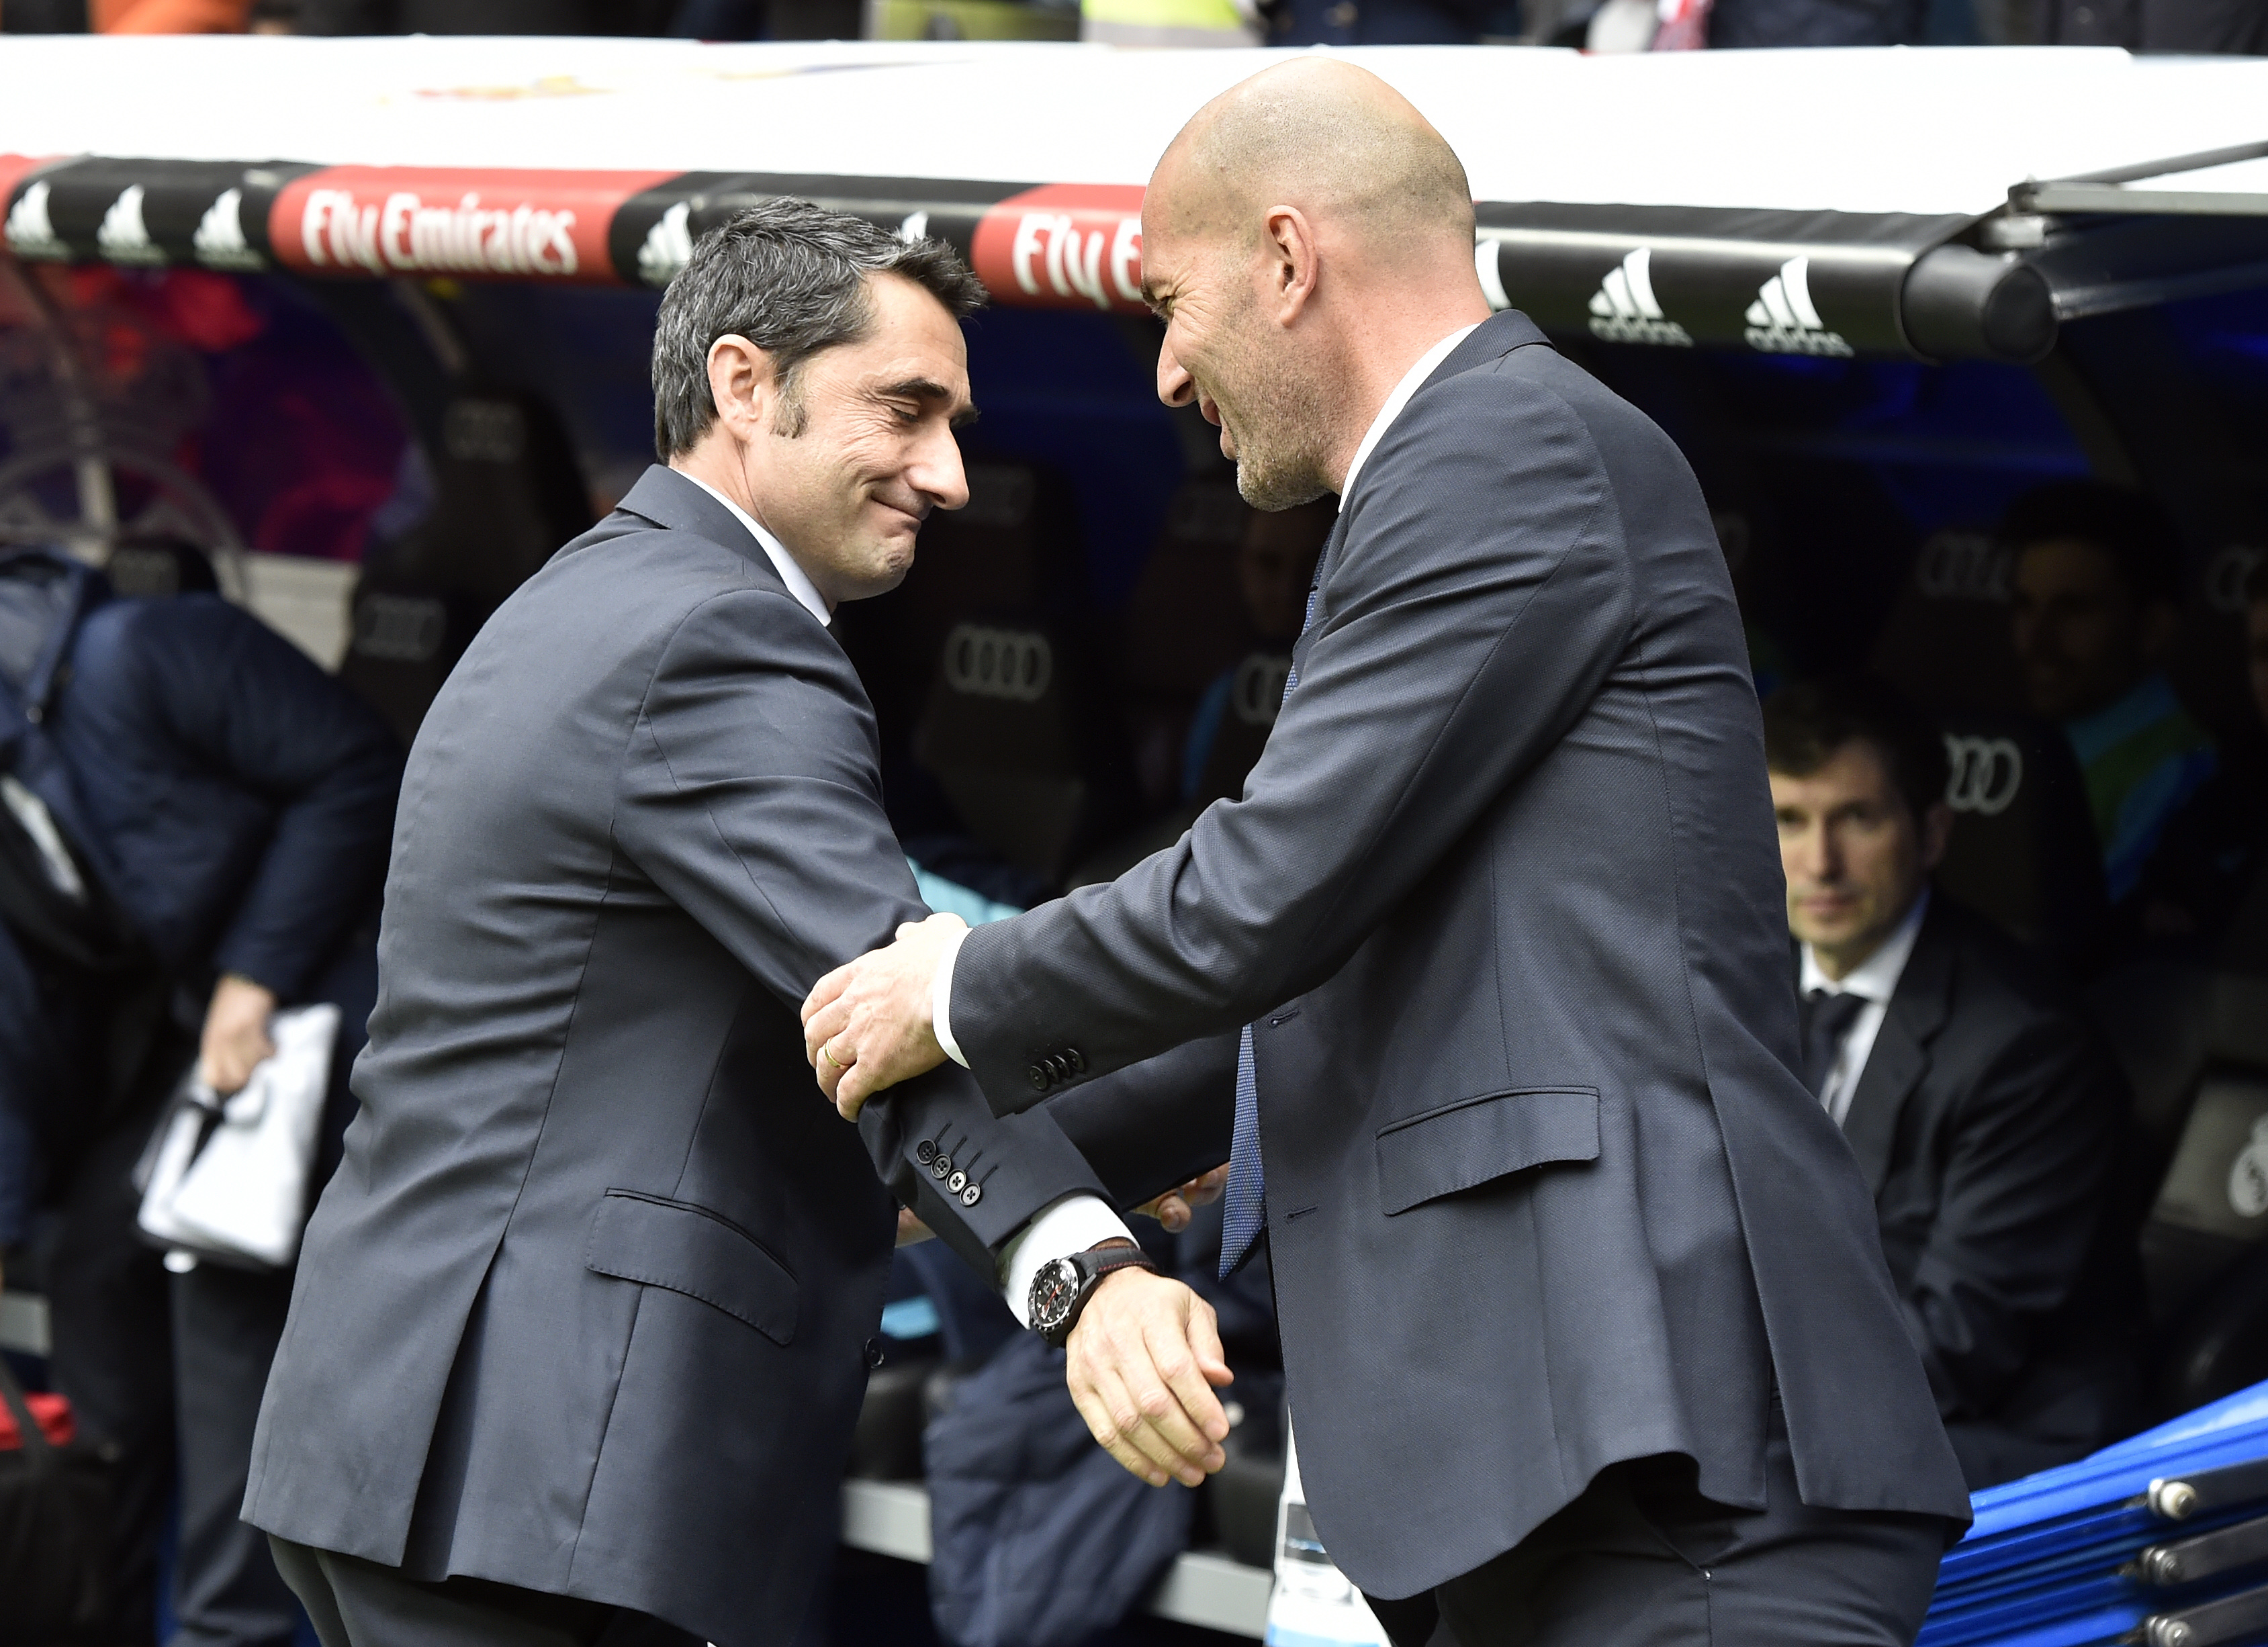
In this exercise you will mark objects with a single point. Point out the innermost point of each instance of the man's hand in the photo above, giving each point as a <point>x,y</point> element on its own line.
<point>1145,1360</point>
<point>912,1231</point>
<point>236,1033</point>
<point>867,1026</point>
<point>1176,1206</point>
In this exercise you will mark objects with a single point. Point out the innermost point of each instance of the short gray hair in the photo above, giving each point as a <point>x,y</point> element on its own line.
<point>790,277</point>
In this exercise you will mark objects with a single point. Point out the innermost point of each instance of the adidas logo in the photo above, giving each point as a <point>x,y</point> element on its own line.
<point>219,241</point>
<point>1624,310</point>
<point>29,232</point>
<point>1782,320</point>
<point>669,246</point>
<point>122,238</point>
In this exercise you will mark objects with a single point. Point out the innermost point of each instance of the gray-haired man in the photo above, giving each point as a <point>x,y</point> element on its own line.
<point>582,1322</point>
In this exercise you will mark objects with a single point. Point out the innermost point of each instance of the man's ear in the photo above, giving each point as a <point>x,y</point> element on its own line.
<point>1288,241</point>
<point>1936,834</point>
<point>741,384</point>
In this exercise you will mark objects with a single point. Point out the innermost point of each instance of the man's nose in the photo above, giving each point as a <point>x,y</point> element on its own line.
<point>937,472</point>
<point>1175,387</point>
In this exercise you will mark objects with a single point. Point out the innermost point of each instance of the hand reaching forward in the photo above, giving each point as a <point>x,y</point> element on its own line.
<point>866,1025</point>
<point>1143,1362</point>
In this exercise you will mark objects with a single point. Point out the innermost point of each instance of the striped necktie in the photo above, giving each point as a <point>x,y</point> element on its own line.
<point>1244,1207</point>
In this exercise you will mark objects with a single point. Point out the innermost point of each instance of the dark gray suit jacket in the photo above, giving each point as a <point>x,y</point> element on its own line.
<point>586,1307</point>
<point>1988,1123</point>
<point>1503,896</point>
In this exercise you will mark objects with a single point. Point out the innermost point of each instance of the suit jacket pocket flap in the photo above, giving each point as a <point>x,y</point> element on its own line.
<point>691,1250</point>
<point>1475,1140</point>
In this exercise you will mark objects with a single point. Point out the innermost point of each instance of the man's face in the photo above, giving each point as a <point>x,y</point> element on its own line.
<point>875,452</point>
<point>1854,855</point>
<point>1221,350</point>
<point>2081,640</point>
<point>2256,653</point>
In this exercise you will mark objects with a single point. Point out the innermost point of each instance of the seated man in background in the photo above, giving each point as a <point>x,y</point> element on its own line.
<point>1986,1117</point>
<point>2095,579</point>
<point>2212,849</point>
<point>1275,565</point>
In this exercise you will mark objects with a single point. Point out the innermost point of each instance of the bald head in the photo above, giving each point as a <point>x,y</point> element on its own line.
<point>1331,139</point>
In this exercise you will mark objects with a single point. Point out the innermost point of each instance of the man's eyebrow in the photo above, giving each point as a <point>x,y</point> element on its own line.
<point>928,389</point>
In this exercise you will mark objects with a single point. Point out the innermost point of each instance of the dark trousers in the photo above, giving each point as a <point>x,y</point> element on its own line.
<point>112,1357</point>
<point>356,1603</point>
<point>1640,1559</point>
<point>227,1589</point>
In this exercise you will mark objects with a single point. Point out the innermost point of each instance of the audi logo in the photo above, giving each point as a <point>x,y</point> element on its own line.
<point>1257,692</point>
<point>2225,577</point>
<point>1986,774</point>
<point>983,663</point>
<point>484,432</point>
<point>1963,566</point>
<point>400,628</point>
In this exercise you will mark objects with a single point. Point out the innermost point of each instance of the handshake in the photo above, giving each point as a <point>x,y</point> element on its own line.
<point>1144,1359</point>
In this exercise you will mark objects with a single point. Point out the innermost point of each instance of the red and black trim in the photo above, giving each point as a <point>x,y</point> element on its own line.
<point>1809,282</point>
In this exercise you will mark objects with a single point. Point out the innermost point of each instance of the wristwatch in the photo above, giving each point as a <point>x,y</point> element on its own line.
<point>1062,1287</point>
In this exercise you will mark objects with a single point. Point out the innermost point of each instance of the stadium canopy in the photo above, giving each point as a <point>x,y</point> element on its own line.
<point>1937,205</point>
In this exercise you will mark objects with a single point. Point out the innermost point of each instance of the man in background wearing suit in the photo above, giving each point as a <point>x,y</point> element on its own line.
<point>583,1319</point>
<point>1586,1330</point>
<point>1985,1114</point>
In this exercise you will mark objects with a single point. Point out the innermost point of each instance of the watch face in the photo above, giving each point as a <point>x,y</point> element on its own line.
<point>1055,1288</point>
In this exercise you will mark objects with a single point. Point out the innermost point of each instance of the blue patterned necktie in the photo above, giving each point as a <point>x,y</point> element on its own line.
<point>1244,1207</point>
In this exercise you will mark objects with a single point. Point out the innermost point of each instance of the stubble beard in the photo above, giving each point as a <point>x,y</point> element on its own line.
<point>1279,433</point>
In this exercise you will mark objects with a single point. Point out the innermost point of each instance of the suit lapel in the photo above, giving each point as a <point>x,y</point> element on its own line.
<point>669,499</point>
<point>1900,1057</point>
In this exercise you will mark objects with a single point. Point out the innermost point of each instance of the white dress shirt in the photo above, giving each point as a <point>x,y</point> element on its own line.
<point>1078,1222</point>
<point>1874,980</point>
<point>799,584</point>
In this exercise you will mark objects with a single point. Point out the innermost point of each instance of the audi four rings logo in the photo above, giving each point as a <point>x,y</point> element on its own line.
<point>1987,772</point>
<point>998,663</point>
<point>1963,566</point>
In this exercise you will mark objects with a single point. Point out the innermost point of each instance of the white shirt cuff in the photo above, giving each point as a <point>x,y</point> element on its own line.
<point>1070,1225</point>
<point>940,1001</point>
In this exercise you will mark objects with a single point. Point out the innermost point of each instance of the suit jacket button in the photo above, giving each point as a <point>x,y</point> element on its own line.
<point>971,1196</point>
<point>872,1352</point>
<point>1041,1079</point>
<point>1077,1060</point>
<point>925,1152</point>
<point>940,1168</point>
<point>958,1182</point>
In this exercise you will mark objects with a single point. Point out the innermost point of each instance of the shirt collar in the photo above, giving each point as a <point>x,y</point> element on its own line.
<point>1876,978</point>
<point>799,584</point>
<point>1412,382</point>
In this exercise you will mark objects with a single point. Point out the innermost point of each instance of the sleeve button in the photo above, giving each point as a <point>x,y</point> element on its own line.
<point>872,1353</point>
<point>925,1152</point>
<point>971,1196</point>
<point>1040,1080</point>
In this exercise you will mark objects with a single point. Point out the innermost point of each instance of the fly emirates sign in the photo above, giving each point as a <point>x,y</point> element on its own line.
<point>399,221</point>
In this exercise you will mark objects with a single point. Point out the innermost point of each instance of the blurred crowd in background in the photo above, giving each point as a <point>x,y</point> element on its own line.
<point>1619,25</point>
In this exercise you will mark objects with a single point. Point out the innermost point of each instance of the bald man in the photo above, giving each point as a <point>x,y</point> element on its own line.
<point>1587,1332</point>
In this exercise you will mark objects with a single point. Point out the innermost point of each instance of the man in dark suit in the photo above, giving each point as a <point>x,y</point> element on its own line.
<point>1587,1330</point>
<point>1985,1114</point>
<point>583,1319</point>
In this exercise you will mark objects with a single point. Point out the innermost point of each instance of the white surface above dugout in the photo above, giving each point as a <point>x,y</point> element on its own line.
<point>1909,131</point>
